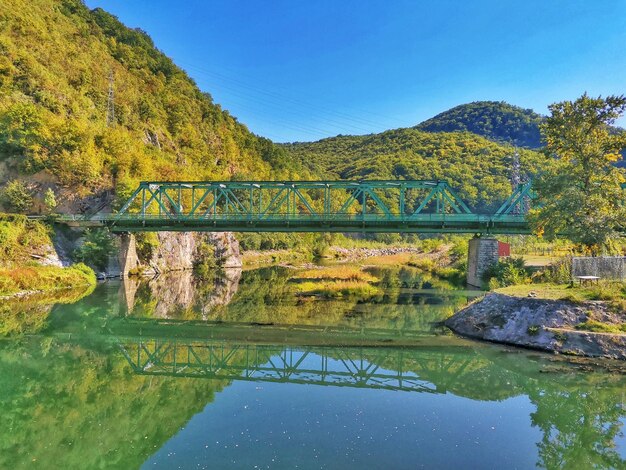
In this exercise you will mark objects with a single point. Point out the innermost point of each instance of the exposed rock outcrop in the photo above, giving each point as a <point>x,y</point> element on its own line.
<point>178,251</point>
<point>540,324</point>
<point>49,257</point>
<point>175,251</point>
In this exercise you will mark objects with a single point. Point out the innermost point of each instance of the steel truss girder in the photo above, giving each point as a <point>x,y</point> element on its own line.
<point>267,363</point>
<point>308,206</point>
<point>290,198</point>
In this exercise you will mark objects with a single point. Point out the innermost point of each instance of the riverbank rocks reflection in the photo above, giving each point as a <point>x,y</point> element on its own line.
<point>179,294</point>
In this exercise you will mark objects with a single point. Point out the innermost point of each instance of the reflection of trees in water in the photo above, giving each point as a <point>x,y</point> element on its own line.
<point>579,426</point>
<point>31,314</point>
<point>71,406</point>
<point>79,404</point>
<point>408,278</point>
<point>267,296</point>
<point>578,413</point>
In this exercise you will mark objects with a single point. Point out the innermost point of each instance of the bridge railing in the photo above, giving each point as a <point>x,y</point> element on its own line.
<point>296,217</point>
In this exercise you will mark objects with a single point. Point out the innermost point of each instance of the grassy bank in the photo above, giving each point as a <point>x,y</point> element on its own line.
<point>613,292</point>
<point>23,240</point>
<point>36,278</point>
<point>336,281</point>
<point>254,258</point>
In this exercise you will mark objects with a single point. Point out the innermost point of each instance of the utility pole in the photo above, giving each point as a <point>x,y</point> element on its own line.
<point>516,182</point>
<point>111,102</point>
<point>516,177</point>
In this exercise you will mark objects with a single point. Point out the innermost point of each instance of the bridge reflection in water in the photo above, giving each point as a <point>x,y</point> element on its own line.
<point>375,368</point>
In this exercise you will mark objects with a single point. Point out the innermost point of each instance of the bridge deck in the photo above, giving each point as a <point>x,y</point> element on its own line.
<point>425,223</point>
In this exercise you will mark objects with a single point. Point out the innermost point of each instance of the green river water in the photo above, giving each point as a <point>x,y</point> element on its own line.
<point>241,373</point>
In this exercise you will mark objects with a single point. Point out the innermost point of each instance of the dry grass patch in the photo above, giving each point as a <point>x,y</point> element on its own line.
<point>334,289</point>
<point>336,281</point>
<point>44,278</point>
<point>390,260</point>
<point>335,273</point>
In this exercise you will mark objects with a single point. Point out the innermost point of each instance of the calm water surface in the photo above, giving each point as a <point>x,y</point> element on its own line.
<point>241,373</point>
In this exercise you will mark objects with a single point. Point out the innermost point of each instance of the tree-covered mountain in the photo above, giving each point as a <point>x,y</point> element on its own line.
<point>57,61</point>
<point>479,168</point>
<point>495,120</point>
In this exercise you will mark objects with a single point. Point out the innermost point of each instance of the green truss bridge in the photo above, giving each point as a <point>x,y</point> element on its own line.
<point>307,206</point>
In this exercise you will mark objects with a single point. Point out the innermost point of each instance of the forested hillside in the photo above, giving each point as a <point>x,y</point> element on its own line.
<point>479,168</point>
<point>56,60</point>
<point>495,120</point>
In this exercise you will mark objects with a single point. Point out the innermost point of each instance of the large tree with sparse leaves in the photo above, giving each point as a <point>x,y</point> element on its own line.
<point>579,195</point>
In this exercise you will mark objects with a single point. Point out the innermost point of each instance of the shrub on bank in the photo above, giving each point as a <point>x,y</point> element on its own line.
<point>507,272</point>
<point>44,278</point>
<point>20,238</point>
<point>96,249</point>
<point>558,272</point>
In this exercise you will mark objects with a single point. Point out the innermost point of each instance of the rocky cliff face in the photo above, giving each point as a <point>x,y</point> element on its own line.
<point>175,251</point>
<point>548,325</point>
<point>178,251</point>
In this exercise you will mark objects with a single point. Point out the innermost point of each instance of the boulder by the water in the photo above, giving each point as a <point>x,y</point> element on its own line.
<point>548,325</point>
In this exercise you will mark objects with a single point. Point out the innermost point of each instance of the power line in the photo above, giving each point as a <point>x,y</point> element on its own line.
<point>110,118</point>
<point>341,118</point>
<point>299,99</point>
<point>280,105</point>
<point>253,99</point>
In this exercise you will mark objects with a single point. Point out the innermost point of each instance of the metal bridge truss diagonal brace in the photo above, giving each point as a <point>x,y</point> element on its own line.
<point>304,201</point>
<point>515,202</point>
<point>354,196</point>
<point>379,203</point>
<point>444,199</point>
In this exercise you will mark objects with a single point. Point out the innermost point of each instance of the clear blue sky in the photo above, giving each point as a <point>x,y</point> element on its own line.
<point>303,70</point>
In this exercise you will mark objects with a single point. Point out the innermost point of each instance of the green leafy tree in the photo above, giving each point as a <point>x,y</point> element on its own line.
<point>96,248</point>
<point>579,193</point>
<point>507,272</point>
<point>17,196</point>
<point>49,199</point>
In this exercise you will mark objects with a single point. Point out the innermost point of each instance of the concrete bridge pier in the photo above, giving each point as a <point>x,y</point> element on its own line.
<point>127,257</point>
<point>482,253</point>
